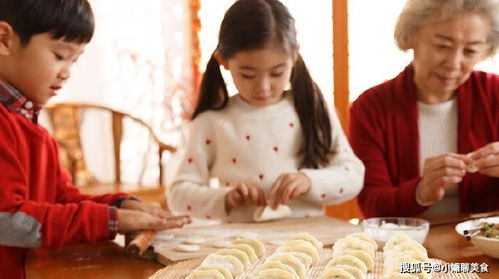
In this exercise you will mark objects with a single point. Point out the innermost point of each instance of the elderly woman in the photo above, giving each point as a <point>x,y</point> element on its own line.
<point>424,134</point>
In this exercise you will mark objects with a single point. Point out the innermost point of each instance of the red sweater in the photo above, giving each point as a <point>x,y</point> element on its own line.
<point>39,207</point>
<point>384,135</point>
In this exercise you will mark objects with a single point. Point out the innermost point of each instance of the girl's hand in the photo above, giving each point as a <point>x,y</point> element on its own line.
<point>245,191</point>
<point>440,172</point>
<point>145,207</point>
<point>288,186</point>
<point>134,220</point>
<point>487,159</point>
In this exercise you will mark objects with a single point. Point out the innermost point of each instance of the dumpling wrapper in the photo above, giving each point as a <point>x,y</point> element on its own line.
<point>266,213</point>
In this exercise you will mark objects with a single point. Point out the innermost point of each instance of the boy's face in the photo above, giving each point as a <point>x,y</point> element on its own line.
<point>41,67</point>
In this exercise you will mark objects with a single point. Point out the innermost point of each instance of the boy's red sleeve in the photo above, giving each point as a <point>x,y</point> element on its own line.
<point>38,213</point>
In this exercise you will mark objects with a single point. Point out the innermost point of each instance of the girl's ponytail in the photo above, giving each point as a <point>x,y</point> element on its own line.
<point>213,92</point>
<point>314,118</point>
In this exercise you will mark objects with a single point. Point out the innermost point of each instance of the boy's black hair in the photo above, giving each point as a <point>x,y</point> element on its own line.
<point>254,24</point>
<point>71,20</point>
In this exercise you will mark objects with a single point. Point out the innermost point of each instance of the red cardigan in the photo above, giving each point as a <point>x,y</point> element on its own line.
<point>384,134</point>
<point>34,187</point>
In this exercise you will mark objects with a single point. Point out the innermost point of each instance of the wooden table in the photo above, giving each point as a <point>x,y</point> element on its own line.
<point>108,260</point>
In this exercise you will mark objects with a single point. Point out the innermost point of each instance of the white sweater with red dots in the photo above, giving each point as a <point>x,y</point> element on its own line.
<point>243,142</point>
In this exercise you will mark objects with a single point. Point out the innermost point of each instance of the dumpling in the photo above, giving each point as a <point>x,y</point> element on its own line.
<point>305,259</point>
<point>347,260</point>
<point>240,255</point>
<point>357,273</point>
<point>230,262</point>
<point>406,247</point>
<point>275,273</point>
<point>223,270</point>
<point>354,244</point>
<point>361,255</point>
<point>309,238</point>
<point>292,261</point>
<point>396,239</point>
<point>205,274</point>
<point>305,248</point>
<point>364,236</point>
<point>335,273</point>
<point>398,275</point>
<point>256,244</point>
<point>246,249</point>
<point>273,264</point>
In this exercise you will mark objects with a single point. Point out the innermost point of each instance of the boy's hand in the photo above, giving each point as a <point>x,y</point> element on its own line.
<point>145,207</point>
<point>245,191</point>
<point>288,186</point>
<point>134,220</point>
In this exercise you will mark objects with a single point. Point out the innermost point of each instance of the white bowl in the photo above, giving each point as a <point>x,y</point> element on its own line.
<point>381,229</point>
<point>489,246</point>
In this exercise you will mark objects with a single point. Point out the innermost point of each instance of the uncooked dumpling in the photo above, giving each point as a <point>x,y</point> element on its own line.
<point>266,213</point>
<point>361,255</point>
<point>256,244</point>
<point>246,249</point>
<point>205,274</point>
<point>223,270</point>
<point>292,261</point>
<point>309,238</point>
<point>274,264</point>
<point>335,273</point>
<point>354,244</point>
<point>302,248</point>
<point>348,260</point>
<point>230,262</point>
<point>355,272</point>
<point>275,273</point>
<point>240,255</point>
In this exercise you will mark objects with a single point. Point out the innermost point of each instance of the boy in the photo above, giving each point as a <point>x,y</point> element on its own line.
<point>39,42</point>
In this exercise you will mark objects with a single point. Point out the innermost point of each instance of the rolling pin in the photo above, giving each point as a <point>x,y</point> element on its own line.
<point>140,243</point>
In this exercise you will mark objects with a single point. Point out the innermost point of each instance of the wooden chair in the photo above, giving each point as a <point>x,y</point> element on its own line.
<point>66,121</point>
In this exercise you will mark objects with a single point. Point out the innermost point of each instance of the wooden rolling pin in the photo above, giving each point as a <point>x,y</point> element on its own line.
<point>140,243</point>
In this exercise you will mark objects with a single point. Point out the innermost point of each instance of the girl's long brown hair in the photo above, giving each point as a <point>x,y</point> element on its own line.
<point>254,24</point>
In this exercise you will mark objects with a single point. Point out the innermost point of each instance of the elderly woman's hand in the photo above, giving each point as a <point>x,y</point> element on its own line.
<point>487,159</point>
<point>439,173</point>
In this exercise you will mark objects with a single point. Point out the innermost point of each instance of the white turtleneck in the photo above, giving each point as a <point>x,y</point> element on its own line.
<point>437,125</point>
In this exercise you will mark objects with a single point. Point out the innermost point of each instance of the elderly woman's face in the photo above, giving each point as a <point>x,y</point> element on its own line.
<point>445,54</point>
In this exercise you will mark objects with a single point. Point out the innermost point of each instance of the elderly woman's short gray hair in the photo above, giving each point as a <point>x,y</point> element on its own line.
<point>417,13</point>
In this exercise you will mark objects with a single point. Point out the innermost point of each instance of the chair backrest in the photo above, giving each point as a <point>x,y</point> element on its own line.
<point>66,120</point>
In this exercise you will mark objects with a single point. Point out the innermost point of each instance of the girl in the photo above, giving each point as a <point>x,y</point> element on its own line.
<point>266,145</point>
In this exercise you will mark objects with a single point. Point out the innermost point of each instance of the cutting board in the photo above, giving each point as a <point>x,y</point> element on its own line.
<point>273,233</point>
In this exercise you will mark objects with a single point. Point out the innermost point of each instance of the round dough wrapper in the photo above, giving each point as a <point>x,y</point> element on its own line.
<point>194,240</point>
<point>186,248</point>
<point>221,243</point>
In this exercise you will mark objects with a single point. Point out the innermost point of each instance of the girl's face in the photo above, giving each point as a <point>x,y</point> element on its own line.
<point>261,75</point>
<point>445,54</point>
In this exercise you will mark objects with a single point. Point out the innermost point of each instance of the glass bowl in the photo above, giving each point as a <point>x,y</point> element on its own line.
<point>381,229</point>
